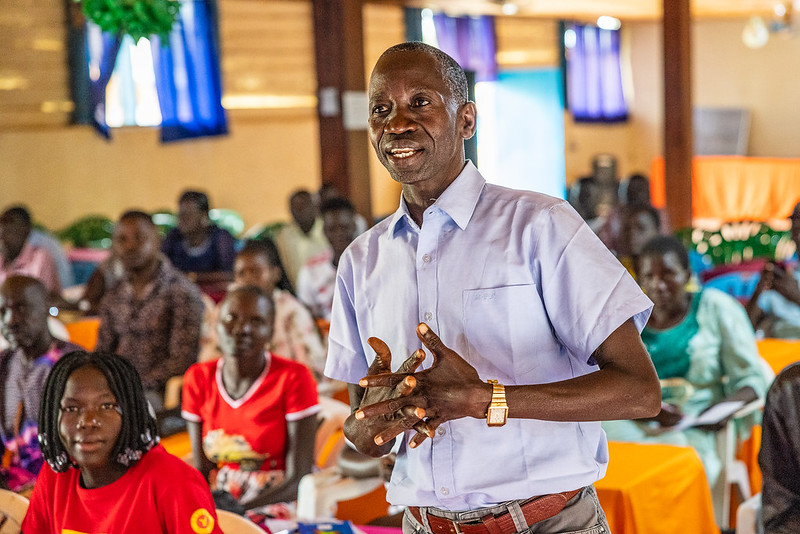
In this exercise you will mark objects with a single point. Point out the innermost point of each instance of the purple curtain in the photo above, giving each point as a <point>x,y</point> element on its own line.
<point>470,41</point>
<point>594,78</point>
<point>101,55</point>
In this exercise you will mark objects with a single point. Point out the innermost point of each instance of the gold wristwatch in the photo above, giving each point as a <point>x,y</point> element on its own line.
<point>497,413</point>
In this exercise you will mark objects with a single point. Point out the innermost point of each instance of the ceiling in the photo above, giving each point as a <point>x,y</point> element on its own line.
<point>622,9</point>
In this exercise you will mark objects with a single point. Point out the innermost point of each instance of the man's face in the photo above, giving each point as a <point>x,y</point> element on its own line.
<point>340,229</point>
<point>13,234</point>
<point>23,313</point>
<point>303,210</point>
<point>190,217</point>
<point>135,243</point>
<point>637,230</point>
<point>415,126</point>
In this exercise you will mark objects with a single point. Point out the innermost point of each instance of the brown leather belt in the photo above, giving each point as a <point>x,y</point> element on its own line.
<point>535,509</point>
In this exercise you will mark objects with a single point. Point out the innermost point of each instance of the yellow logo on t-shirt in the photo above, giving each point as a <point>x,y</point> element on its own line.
<point>202,521</point>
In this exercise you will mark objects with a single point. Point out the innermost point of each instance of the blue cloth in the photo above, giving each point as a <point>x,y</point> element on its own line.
<point>516,283</point>
<point>217,253</point>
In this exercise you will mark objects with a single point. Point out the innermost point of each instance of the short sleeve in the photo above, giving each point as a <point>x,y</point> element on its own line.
<point>186,507</point>
<point>587,292</point>
<point>193,393</point>
<point>343,363</point>
<point>38,518</point>
<point>301,394</point>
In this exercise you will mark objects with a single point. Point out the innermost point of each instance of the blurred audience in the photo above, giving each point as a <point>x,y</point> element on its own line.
<point>295,333</point>
<point>24,367</point>
<point>774,307</point>
<point>251,414</point>
<point>153,314</point>
<point>302,238</point>
<point>19,256</point>
<point>317,278</point>
<point>197,246</point>
<point>703,348</point>
<point>779,457</point>
<point>640,224</point>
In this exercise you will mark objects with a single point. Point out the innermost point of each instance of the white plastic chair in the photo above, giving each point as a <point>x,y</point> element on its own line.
<point>734,472</point>
<point>13,508</point>
<point>747,516</point>
<point>231,523</point>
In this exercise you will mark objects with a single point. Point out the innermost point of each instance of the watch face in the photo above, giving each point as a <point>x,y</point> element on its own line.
<point>497,416</point>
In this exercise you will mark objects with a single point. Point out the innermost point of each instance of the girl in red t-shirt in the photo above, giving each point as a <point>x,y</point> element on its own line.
<point>105,470</point>
<point>251,414</point>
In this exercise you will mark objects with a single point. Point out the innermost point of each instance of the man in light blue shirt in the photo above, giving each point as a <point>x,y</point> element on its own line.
<point>520,291</point>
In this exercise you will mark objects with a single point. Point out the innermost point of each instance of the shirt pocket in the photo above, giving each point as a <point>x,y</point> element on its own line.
<point>501,326</point>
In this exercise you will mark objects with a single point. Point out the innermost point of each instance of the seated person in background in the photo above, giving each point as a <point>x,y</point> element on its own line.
<point>295,333</point>
<point>153,315</point>
<point>702,342</point>
<point>197,246</point>
<point>19,256</point>
<point>779,457</point>
<point>105,470</point>
<point>640,224</point>
<point>303,238</point>
<point>251,413</point>
<point>317,277</point>
<point>327,192</point>
<point>40,238</point>
<point>24,367</point>
<point>774,307</point>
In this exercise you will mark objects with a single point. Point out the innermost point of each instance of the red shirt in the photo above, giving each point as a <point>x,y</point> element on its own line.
<point>251,429</point>
<point>160,493</point>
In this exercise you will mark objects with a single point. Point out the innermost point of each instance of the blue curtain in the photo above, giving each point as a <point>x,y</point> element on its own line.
<point>188,77</point>
<point>101,55</point>
<point>470,41</point>
<point>594,78</point>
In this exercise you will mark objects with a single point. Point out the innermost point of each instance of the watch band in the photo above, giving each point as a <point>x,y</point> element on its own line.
<point>497,413</point>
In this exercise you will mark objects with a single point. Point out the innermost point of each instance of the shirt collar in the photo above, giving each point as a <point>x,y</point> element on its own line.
<point>458,200</point>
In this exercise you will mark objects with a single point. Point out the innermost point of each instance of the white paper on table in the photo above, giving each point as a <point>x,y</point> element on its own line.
<point>713,415</point>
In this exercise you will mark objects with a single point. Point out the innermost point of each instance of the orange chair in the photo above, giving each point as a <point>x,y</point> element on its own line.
<point>84,332</point>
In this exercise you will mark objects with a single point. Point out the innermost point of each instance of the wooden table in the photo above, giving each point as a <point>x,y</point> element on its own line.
<point>654,489</point>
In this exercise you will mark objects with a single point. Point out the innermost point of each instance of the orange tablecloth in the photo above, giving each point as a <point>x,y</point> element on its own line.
<point>654,489</point>
<point>736,188</point>
<point>779,352</point>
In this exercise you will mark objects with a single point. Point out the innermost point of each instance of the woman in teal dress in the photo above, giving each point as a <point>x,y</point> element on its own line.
<point>704,350</point>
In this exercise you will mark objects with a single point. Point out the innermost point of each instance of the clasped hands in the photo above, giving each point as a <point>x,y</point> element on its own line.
<point>406,399</point>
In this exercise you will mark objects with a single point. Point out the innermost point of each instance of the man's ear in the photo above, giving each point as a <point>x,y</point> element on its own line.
<point>468,115</point>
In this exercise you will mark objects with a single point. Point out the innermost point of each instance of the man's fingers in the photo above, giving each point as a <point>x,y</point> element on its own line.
<point>425,429</point>
<point>412,362</point>
<point>430,340</point>
<point>395,430</point>
<point>383,355</point>
<point>392,406</point>
<point>382,380</point>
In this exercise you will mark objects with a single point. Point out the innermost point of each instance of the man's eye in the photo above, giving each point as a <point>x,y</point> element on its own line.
<point>419,102</point>
<point>379,109</point>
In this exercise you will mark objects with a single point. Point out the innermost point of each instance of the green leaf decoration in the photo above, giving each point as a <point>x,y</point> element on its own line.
<point>137,18</point>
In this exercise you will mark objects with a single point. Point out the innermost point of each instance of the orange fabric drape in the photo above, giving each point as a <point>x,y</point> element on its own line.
<point>651,489</point>
<point>736,188</point>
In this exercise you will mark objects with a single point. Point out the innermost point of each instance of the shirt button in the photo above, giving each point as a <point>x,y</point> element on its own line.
<point>428,316</point>
<point>442,431</point>
<point>426,258</point>
<point>444,491</point>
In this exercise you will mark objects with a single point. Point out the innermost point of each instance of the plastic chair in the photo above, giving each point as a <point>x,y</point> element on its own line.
<point>12,511</point>
<point>734,472</point>
<point>748,516</point>
<point>231,523</point>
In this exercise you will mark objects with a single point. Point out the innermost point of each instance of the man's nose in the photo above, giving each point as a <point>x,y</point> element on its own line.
<point>399,120</point>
